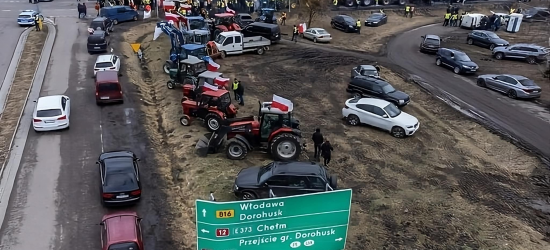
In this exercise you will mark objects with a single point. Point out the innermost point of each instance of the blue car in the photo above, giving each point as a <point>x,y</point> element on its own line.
<point>26,18</point>
<point>119,14</point>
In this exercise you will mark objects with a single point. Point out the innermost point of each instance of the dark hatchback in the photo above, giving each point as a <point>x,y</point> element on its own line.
<point>366,86</point>
<point>97,42</point>
<point>430,43</point>
<point>267,30</point>
<point>344,23</point>
<point>486,39</point>
<point>119,173</point>
<point>283,179</point>
<point>376,20</point>
<point>457,60</point>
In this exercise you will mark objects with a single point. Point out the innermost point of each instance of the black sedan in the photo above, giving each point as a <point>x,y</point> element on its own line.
<point>376,20</point>
<point>344,23</point>
<point>119,173</point>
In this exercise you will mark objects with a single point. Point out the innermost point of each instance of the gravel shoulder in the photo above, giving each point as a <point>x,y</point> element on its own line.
<point>20,88</point>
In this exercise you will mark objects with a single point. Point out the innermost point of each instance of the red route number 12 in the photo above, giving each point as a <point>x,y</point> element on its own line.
<point>222,232</point>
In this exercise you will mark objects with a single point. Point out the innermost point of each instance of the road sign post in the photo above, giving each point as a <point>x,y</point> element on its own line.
<point>316,221</point>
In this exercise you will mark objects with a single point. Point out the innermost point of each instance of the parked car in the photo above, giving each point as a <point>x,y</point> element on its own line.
<point>107,87</point>
<point>121,231</point>
<point>97,42</point>
<point>366,86</point>
<point>102,23</point>
<point>536,14</point>
<point>26,17</point>
<point>430,43</point>
<point>119,13</point>
<point>529,52</point>
<point>344,23</point>
<point>283,179</point>
<point>51,113</point>
<point>107,62</point>
<point>317,35</point>
<point>366,70</point>
<point>514,86</point>
<point>243,19</point>
<point>455,59</point>
<point>376,19</point>
<point>267,30</point>
<point>381,114</point>
<point>119,173</point>
<point>486,39</point>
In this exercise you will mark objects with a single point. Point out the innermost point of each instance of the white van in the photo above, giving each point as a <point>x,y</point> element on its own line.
<point>471,21</point>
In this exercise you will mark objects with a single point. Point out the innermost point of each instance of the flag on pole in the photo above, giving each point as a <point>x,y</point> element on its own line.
<point>212,66</point>
<point>221,81</point>
<point>228,10</point>
<point>208,86</point>
<point>157,33</point>
<point>282,104</point>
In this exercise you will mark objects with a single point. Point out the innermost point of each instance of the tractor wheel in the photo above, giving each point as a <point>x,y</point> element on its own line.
<point>386,2</point>
<point>285,147</point>
<point>212,122</point>
<point>166,67</point>
<point>235,149</point>
<point>170,84</point>
<point>293,5</point>
<point>402,2</point>
<point>350,3</point>
<point>185,121</point>
<point>366,2</point>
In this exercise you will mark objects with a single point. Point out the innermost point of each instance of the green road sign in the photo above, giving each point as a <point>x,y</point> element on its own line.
<point>316,221</point>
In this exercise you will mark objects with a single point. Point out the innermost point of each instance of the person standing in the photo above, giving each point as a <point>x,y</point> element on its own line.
<point>294,34</point>
<point>454,19</point>
<point>235,87</point>
<point>407,9</point>
<point>283,19</point>
<point>447,17</point>
<point>240,92</point>
<point>326,152</point>
<point>37,22</point>
<point>358,25</point>
<point>411,12</point>
<point>317,138</point>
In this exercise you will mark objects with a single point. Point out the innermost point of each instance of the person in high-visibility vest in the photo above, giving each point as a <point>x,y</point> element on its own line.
<point>358,25</point>
<point>37,23</point>
<point>454,19</point>
<point>512,10</point>
<point>235,87</point>
<point>407,9</point>
<point>447,17</point>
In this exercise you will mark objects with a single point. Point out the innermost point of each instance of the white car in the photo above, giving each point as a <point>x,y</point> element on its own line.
<point>317,35</point>
<point>26,18</point>
<point>107,62</point>
<point>381,114</point>
<point>51,113</point>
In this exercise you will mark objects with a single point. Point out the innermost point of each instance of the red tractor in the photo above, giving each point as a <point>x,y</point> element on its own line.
<point>274,131</point>
<point>224,22</point>
<point>213,107</point>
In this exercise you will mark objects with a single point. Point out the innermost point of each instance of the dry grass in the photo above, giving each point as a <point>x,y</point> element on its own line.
<point>20,88</point>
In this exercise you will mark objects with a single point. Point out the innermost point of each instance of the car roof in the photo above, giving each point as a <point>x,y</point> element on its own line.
<point>267,9</point>
<point>27,12</point>
<point>375,80</point>
<point>99,18</point>
<point>118,153</point>
<point>223,15</point>
<point>456,51</point>
<point>298,168</point>
<point>268,25</point>
<point>232,33</point>
<point>121,227</point>
<point>530,45</point>
<point>98,33</point>
<point>49,102</point>
<point>243,14</point>
<point>210,74</point>
<point>517,77</point>
<point>368,67</point>
<point>106,76</point>
<point>371,101</point>
<point>192,46</point>
<point>194,17</point>
<point>104,58</point>
<point>484,31</point>
<point>318,29</point>
<point>432,37</point>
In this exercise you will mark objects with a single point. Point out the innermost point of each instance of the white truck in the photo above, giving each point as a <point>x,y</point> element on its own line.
<point>234,43</point>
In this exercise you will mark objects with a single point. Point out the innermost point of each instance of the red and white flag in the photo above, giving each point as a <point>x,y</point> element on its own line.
<point>212,66</point>
<point>221,81</point>
<point>228,10</point>
<point>282,104</point>
<point>208,86</point>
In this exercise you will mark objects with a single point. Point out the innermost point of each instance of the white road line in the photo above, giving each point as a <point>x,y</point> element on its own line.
<point>278,218</point>
<point>6,10</point>
<point>127,113</point>
<point>293,231</point>
<point>101,137</point>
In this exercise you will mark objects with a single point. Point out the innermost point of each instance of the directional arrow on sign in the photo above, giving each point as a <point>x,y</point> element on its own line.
<point>205,231</point>
<point>204,213</point>
<point>339,239</point>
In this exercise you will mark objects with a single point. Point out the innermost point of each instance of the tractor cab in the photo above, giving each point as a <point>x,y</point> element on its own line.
<point>224,22</point>
<point>185,73</point>
<point>212,106</point>
<point>210,77</point>
<point>196,50</point>
<point>194,23</point>
<point>272,119</point>
<point>200,37</point>
<point>267,15</point>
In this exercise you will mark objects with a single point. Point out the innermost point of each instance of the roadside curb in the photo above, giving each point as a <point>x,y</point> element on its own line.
<point>5,88</point>
<point>9,169</point>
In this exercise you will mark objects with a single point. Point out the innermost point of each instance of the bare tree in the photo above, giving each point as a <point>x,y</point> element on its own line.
<point>314,8</point>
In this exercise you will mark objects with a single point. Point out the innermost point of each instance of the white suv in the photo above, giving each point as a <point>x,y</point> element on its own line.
<point>381,114</point>
<point>107,62</point>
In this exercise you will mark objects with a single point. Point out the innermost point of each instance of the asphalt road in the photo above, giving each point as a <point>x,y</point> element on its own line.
<point>9,33</point>
<point>523,120</point>
<point>55,203</point>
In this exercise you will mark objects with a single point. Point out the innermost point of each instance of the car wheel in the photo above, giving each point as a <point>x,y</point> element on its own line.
<point>492,47</point>
<point>456,70</point>
<point>166,67</point>
<point>170,84</point>
<point>499,56</point>
<point>353,120</point>
<point>332,25</point>
<point>115,22</point>
<point>481,83</point>
<point>223,54</point>
<point>236,149</point>
<point>512,94</point>
<point>470,41</point>
<point>398,132</point>
<point>135,18</point>
<point>438,62</point>
<point>248,195</point>
<point>315,39</point>
<point>184,121</point>
<point>260,51</point>
<point>212,122</point>
<point>531,60</point>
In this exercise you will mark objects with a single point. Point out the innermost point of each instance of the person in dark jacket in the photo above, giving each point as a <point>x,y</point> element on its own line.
<point>326,151</point>
<point>317,141</point>
<point>240,92</point>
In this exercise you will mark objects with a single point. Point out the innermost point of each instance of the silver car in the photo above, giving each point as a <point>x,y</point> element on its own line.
<point>512,85</point>
<point>317,35</point>
<point>529,52</point>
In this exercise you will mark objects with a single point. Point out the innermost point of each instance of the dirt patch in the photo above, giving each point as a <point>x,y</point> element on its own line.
<point>22,82</point>
<point>536,33</point>
<point>451,185</point>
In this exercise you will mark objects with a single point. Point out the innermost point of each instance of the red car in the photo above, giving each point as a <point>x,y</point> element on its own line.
<point>121,231</point>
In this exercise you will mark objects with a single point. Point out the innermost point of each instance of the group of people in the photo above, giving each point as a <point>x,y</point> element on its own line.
<point>322,147</point>
<point>409,11</point>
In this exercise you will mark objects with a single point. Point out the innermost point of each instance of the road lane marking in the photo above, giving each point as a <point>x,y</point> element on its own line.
<point>6,10</point>
<point>127,113</point>
<point>101,136</point>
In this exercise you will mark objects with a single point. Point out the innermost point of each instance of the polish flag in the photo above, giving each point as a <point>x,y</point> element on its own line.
<point>228,10</point>
<point>221,81</point>
<point>212,66</point>
<point>282,104</point>
<point>208,86</point>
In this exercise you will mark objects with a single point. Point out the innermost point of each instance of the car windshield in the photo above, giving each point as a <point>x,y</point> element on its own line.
<point>197,24</point>
<point>199,53</point>
<point>24,16</point>
<point>369,72</point>
<point>527,82</point>
<point>120,181</point>
<point>349,20</point>
<point>392,110</point>
<point>48,113</point>
<point>101,65</point>
<point>225,100</point>
<point>462,57</point>
<point>432,41</point>
<point>96,39</point>
<point>322,32</point>
<point>219,39</point>
<point>268,12</point>
<point>265,173</point>
<point>97,24</point>
<point>124,246</point>
<point>492,35</point>
<point>388,89</point>
<point>106,87</point>
<point>246,18</point>
<point>376,16</point>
